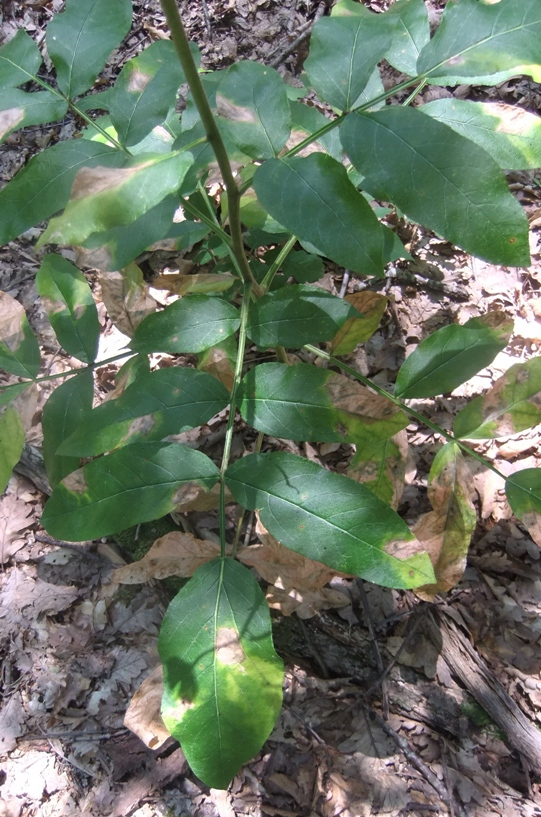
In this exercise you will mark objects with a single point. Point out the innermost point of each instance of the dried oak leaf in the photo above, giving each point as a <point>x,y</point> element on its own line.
<point>175,554</point>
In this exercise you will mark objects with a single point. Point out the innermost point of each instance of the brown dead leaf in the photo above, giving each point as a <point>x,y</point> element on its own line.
<point>15,516</point>
<point>12,315</point>
<point>305,603</point>
<point>194,497</point>
<point>126,298</point>
<point>143,716</point>
<point>371,305</point>
<point>182,284</point>
<point>175,554</point>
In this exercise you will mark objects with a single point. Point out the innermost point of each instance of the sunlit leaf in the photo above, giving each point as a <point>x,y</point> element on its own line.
<point>175,554</point>
<point>371,306</point>
<point>11,443</point>
<point>19,350</point>
<point>62,413</point>
<point>222,676</point>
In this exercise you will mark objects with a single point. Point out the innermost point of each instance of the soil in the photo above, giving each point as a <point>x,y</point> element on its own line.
<point>392,705</point>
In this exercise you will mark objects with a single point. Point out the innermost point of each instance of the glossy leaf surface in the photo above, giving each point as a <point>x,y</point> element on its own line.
<point>411,32</point>
<point>19,109</point>
<point>11,444</point>
<point>303,402</point>
<point>296,315</point>
<point>484,43</point>
<point>67,297</point>
<point>166,401</point>
<point>222,676</point>
<point>134,484</point>
<point>439,179</point>
<point>63,412</point>
<point>452,355</point>
<point>191,324</point>
<point>329,518</point>
<point>512,404</point>
<point>523,491</point>
<point>19,349</point>
<point>80,39</point>
<point>313,197</point>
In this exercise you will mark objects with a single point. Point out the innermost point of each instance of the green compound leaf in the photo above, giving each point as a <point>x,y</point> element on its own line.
<point>510,134</point>
<point>191,325</point>
<point>19,109</point>
<point>511,405</point>
<point>11,444</point>
<point>254,109</point>
<point>296,315</point>
<point>80,39</point>
<point>411,32</point>
<point>103,198</point>
<point>484,43</point>
<point>67,297</point>
<point>19,349</point>
<point>453,354</point>
<point>222,676</point>
<point>523,491</point>
<point>329,518</point>
<point>145,91</point>
<point>167,401</point>
<point>134,484</point>
<point>439,179</point>
<point>313,197</point>
<point>20,60</point>
<point>302,402</point>
<point>43,186</point>
<point>344,50</point>
<point>62,414</point>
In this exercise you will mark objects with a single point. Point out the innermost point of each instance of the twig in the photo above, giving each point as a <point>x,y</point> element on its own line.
<point>377,655</point>
<point>304,34</point>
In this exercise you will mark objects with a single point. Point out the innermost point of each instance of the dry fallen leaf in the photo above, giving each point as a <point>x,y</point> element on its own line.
<point>15,516</point>
<point>175,554</point>
<point>143,715</point>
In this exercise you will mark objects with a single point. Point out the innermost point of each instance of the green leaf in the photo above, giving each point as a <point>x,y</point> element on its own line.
<point>306,120</point>
<point>103,198</point>
<point>19,109</point>
<point>19,349</point>
<point>303,402</point>
<point>512,404</point>
<point>80,39</point>
<point>67,297</point>
<point>134,484</point>
<point>145,91</point>
<point>371,306</point>
<point>303,266</point>
<point>192,324</point>
<point>510,134</point>
<point>254,109</point>
<point>313,197</point>
<point>484,43</point>
<point>20,60</point>
<point>11,444</point>
<point>222,676</point>
<point>439,179</point>
<point>453,354</point>
<point>166,401</point>
<point>329,518</point>
<point>344,50</point>
<point>65,409</point>
<point>381,466</point>
<point>411,32</point>
<point>523,491</point>
<point>43,186</point>
<point>296,315</point>
<point>10,393</point>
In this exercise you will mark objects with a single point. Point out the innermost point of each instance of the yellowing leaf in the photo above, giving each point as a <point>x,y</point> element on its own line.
<point>371,305</point>
<point>381,466</point>
<point>182,284</point>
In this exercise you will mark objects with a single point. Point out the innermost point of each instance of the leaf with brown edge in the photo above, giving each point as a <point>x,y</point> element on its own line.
<point>381,466</point>
<point>219,361</point>
<point>447,530</point>
<point>371,305</point>
<point>126,298</point>
<point>19,350</point>
<point>182,284</point>
<point>175,554</point>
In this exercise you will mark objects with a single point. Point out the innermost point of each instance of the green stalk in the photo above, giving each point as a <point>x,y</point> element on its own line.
<point>424,420</point>
<point>277,263</point>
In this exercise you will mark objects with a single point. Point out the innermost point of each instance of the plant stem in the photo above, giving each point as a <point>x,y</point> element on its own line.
<point>424,420</point>
<point>180,41</point>
<point>277,263</point>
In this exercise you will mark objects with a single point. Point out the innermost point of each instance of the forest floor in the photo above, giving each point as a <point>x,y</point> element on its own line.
<point>392,706</point>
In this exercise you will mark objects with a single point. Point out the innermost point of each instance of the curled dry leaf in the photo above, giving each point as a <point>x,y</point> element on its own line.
<point>175,554</point>
<point>143,716</point>
<point>126,298</point>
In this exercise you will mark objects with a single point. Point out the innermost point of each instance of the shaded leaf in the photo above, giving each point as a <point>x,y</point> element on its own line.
<point>381,466</point>
<point>166,401</point>
<point>439,179</point>
<point>11,444</point>
<point>484,43</point>
<point>126,298</point>
<point>254,109</point>
<point>20,60</point>
<point>511,405</point>
<point>80,39</point>
<point>103,198</point>
<point>134,367</point>
<point>329,518</point>
<point>222,676</point>
<point>175,554</point>
<point>306,120</point>
<point>344,50</point>
<point>510,134</point>
<point>447,530</point>
<point>63,412</point>
<point>523,491</point>
<point>67,297</point>
<point>191,324</point>
<point>19,109</point>
<point>296,315</point>
<point>219,361</point>
<point>303,402</point>
<point>19,350</point>
<point>10,393</point>
<point>453,354</point>
<point>411,32</point>
<point>371,306</point>
<point>313,197</point>
<point>134,484</point>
